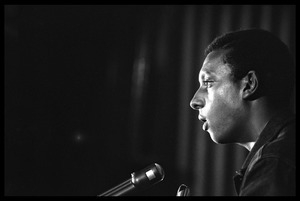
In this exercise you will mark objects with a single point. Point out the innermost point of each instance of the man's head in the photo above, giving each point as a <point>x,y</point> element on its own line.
<point>260,51</point>
<point>240,69</point>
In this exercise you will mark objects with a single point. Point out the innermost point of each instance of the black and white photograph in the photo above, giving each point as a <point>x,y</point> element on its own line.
<point>149,100</point>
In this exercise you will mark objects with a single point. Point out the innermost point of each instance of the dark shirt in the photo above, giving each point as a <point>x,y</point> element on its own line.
<point>270,167</point>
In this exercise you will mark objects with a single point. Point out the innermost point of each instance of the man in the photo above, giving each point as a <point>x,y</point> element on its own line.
<point>246,83</point>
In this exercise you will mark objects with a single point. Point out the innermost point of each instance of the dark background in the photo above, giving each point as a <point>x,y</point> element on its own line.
<point>68,76</point>
<point>94,93</point>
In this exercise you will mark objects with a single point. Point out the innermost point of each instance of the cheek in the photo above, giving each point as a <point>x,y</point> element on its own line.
<point>223,101</point>
<point>224,109</point>
<point>220,110</point>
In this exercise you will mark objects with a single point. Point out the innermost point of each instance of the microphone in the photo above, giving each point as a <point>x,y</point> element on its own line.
<point>183,190</point>
<point>142,179</point>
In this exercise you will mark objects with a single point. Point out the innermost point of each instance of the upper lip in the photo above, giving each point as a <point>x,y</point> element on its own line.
<point>202,118</point>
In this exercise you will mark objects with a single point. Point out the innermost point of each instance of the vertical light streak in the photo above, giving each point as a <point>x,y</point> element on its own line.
<point>185,89</point>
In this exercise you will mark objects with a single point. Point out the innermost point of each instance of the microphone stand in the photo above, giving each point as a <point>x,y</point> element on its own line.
<point>120,189</point>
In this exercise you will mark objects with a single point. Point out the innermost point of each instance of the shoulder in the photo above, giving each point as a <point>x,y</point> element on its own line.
<point>281,148</point>
<point>272,169</point>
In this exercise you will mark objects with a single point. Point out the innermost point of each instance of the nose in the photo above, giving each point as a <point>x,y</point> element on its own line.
<point>197,101</point>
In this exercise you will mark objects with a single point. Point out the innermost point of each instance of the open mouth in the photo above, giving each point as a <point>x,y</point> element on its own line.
<point>205,124</point>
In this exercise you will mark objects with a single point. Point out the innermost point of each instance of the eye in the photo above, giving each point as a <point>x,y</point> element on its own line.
<point>207,83</point>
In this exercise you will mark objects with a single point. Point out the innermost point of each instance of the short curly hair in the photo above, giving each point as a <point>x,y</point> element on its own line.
<point>261,51</point>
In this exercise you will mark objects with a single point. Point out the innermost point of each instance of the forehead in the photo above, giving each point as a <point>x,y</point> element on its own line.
<point>214,65</point>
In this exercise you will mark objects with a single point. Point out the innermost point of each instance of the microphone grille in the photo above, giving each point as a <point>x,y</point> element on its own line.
<point>150,175</point>
<point>160,170</point>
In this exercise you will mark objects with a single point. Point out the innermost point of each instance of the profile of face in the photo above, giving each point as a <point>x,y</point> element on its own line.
<point>219,100</point>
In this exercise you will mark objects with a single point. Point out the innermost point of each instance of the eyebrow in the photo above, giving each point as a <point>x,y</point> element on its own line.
<point>207,70</point>
<point>209,73</point>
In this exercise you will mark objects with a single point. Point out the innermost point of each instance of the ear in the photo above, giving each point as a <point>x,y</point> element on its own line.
<point>250,82</point>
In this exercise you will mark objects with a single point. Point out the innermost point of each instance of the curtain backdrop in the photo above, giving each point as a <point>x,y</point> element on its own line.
<point>171,49</point>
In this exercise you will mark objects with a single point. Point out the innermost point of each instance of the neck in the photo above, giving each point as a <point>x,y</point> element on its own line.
<point>247,145</point>
<point>260,114</point>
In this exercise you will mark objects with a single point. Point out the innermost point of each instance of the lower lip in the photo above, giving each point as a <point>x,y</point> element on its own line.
<point>205,126</point>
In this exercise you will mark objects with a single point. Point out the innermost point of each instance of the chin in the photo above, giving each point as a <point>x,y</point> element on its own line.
<point>216,140</point>
<point>220,139</point>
